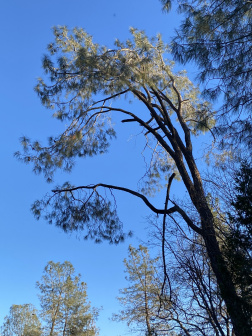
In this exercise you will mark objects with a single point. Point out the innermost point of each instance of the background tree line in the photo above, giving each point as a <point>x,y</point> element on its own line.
<point>64,311</point>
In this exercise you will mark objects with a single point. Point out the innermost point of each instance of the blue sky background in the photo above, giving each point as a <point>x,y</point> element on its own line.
<point>25,244</point>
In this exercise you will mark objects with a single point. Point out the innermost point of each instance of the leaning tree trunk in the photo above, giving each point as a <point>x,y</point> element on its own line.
<point>240,318</point>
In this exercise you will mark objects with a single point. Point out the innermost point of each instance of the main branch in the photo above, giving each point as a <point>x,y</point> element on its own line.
<point>164,211</point>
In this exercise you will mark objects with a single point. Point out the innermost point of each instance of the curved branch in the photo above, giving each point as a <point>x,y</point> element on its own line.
<point>164,111</point>
<point>180,117</point>
<point>187,219</point>
<point>132,192</point>
<point>134,118</point>
<point>167,100</point>
<point>164,211</point>
<point>153,113</point>
<point>166,276</point>
<point>111,97</point>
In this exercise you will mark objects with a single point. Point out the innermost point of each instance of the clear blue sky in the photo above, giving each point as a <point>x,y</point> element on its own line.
<point>25,244</point>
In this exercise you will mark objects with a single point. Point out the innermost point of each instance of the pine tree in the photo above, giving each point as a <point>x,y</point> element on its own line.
<point>217,35</point>
<point>141,299</point>
<point>64,306</point>
<point>238,246</point>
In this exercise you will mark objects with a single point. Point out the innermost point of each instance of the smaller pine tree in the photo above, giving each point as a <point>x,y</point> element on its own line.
<point>63,298</point>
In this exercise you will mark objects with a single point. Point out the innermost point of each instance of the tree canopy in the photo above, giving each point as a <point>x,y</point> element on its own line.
<point>217,35</point>
<point>85,81</point>
<point>85,71</point>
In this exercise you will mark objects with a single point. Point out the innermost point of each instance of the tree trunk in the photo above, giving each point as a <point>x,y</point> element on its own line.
<point>236,310</point>
<point>235,307</point>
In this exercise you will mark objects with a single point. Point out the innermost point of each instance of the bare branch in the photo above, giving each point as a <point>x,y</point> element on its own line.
<point>188,221</point>
<point>180,117</point>
<point>111,97</point>
<point>166,277</point>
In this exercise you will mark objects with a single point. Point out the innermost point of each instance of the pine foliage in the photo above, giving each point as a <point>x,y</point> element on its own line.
<point>217,35</point>
<point>84,82</point>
